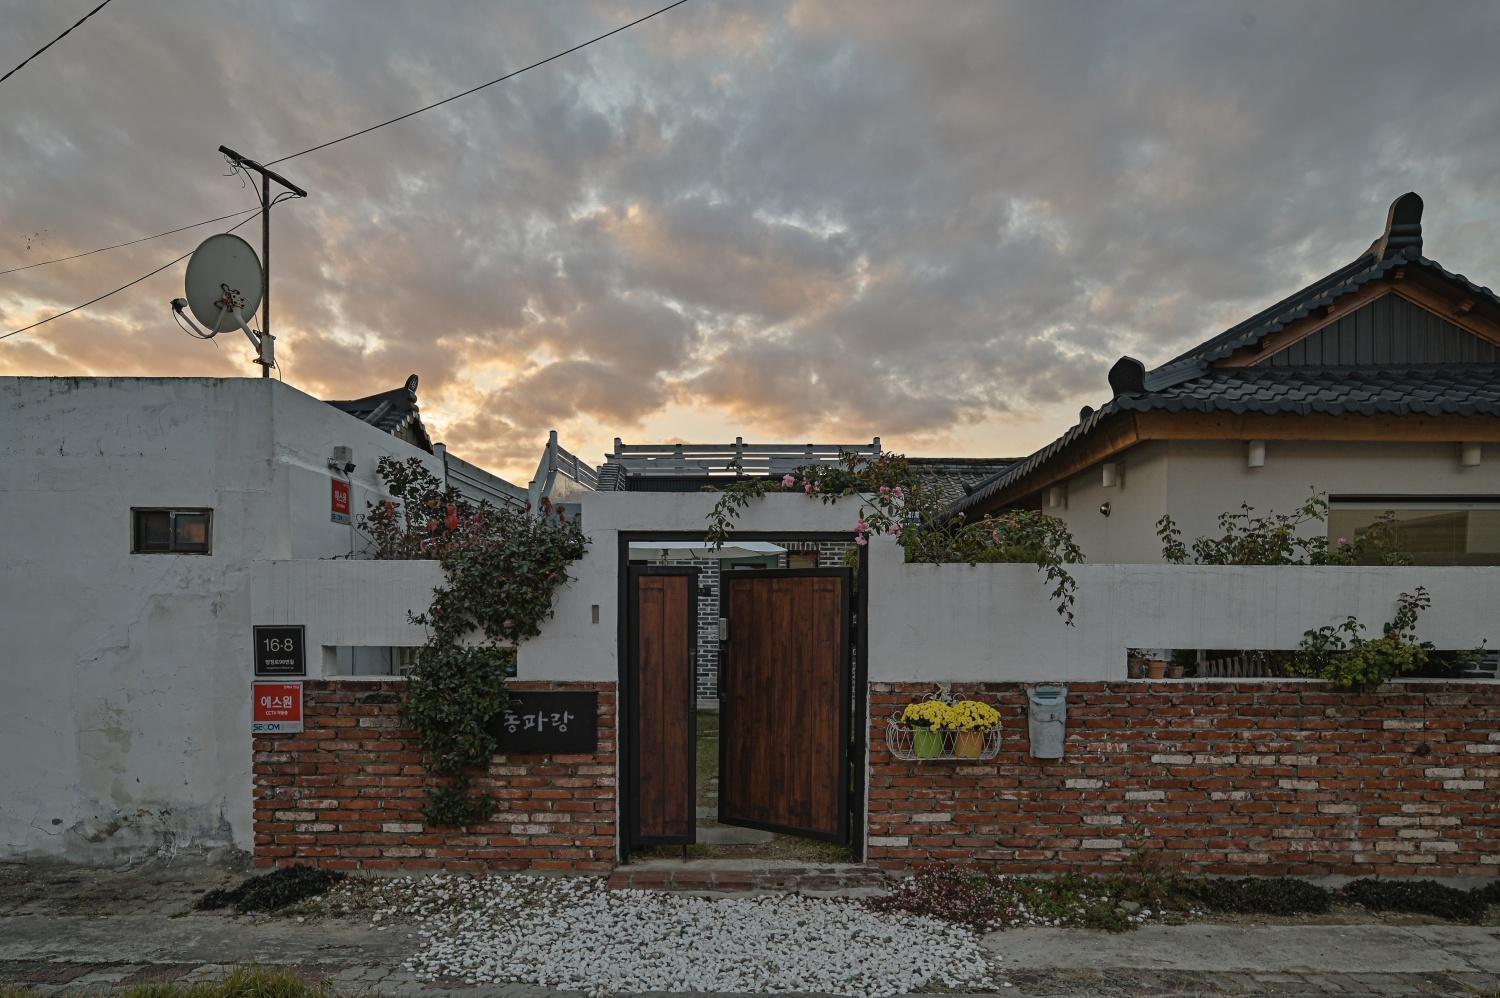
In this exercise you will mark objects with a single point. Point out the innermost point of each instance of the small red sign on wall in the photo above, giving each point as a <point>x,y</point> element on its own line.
<point>340,501</point>
<point>277,708</point>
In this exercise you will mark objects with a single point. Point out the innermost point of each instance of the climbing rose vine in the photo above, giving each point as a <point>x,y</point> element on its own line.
<point>503,568</point>
<point>895,501</point>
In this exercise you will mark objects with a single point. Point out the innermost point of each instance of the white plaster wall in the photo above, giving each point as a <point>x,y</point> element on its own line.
<point>1195,481</point>
<point>1138,499</point>
<point>573,647</point>
<point>997,622</point>
<point>124,679</point>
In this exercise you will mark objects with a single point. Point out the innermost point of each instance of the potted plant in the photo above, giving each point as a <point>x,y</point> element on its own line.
<point>925,720</point>
<point>1182,659</point>
<point>1156,668</point>
<point>1135,665</point>
<point>970,721</point>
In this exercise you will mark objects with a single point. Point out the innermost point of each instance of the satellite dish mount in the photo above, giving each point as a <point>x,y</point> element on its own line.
<point>224,289</point>
<point>226,284</point>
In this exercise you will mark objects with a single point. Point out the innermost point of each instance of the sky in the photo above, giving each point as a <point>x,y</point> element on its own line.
<point>786,220</point>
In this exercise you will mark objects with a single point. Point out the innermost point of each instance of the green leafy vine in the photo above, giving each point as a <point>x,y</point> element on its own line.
<point>502,568</point>
<point>894,500</point>
<point>1343,655</point>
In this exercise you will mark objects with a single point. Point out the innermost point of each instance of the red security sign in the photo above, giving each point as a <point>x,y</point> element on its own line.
<point>340,512</point>
<point>277,708</point>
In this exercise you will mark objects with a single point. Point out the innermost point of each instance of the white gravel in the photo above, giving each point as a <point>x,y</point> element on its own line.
<point>575,935</point>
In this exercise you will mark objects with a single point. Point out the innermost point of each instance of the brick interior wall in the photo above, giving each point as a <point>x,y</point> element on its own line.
<point>347,793</point>
<point>1254,778</point>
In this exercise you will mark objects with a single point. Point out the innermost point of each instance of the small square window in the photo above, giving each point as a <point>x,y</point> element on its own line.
<point>171,531</point>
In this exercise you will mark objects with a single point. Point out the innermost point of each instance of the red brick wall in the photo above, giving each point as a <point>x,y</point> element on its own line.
<point>1230,778</point>
<point>347,793</point>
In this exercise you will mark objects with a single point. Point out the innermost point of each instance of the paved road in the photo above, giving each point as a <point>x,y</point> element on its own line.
<point>70,931</point>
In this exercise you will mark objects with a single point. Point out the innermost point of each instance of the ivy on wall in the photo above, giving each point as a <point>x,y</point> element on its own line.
<point>894,500</point>
<point>503,568</point>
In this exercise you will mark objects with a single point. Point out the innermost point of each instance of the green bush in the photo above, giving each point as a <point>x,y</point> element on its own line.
<point>1419,897</point>
<point>1261,896</point>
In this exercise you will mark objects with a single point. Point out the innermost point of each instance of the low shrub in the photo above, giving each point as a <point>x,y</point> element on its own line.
<point>1489,893</point>
<point>1261,896</point>
<point>272,891</point>
<point>988,902</point>
<point>1419,897</point>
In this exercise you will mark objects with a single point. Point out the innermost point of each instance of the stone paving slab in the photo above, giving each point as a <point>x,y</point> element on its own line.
<point>1302,949</point>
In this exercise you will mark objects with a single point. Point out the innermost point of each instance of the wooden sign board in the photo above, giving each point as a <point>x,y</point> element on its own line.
<point>548,723</point>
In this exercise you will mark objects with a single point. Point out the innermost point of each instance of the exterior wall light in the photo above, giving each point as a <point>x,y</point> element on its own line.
<point>1110,474</point>
<point>1469,454</point>
<point>1104,509</point>
<point>1057,497</point>
<point>1255,454</point>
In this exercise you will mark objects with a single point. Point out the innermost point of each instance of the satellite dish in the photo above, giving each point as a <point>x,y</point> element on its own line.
<point>224,282</point>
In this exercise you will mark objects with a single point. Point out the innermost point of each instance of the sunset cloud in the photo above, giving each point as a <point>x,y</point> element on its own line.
<point>804,219</point>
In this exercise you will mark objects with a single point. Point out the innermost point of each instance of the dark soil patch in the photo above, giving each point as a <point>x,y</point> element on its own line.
<point>1421,897</point>
<point>1261,896</point>
<point>272,891</point>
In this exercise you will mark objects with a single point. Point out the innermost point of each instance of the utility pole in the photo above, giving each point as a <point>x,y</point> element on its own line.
<point>267,357</point>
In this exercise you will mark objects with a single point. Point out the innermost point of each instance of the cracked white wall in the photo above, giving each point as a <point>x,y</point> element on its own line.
<point>125,678</point>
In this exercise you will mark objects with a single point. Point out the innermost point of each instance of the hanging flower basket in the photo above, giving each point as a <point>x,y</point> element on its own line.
<point>932,731</point>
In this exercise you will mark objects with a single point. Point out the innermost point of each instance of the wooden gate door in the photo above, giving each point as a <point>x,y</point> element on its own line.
<point>661,703</point>
<point>784,702</point>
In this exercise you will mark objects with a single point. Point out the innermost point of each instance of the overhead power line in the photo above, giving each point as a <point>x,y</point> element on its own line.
<point>143,239</point>
<point>53,41</point>
<point>473,90</point>
<point>91,301</point>
<point>304,152</point>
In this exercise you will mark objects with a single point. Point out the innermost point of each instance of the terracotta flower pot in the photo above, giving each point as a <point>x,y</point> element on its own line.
<point>1135,668</point>
<point>927,743</point>
<point>1156,669</point>
<point>968,744</point>
<point>1174,671</point>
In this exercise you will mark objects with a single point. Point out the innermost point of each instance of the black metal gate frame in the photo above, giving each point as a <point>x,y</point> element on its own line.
<point>625,708</point>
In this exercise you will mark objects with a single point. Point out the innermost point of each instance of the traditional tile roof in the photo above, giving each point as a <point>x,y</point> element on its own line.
<point>691,467</point>
<point>1190,382</point>
<point>394,411</point>
<point>955,477</point>
<point>1425,389</point>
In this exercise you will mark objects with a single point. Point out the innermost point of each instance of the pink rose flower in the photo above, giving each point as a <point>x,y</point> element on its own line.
<point>896,530</point>
<point>861,540</point>
<point>885,490</point>
<point>807,487</point>
<point>788,481</point>
<point>862,527</point>
<point>897,492</point>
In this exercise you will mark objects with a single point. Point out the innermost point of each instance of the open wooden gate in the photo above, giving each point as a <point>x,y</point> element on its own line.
<point>784,702</point>
<point>662,722</point>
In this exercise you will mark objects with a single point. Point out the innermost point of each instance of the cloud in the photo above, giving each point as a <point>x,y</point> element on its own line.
<point>815,219</point>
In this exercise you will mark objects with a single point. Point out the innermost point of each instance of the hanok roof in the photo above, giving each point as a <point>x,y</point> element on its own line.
<point>1454,374</point>
<point>956,477</point>
<point>691,467</point>
<point>394,411</point>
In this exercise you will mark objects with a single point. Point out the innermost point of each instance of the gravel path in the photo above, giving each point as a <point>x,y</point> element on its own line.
<point>573,934</point>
